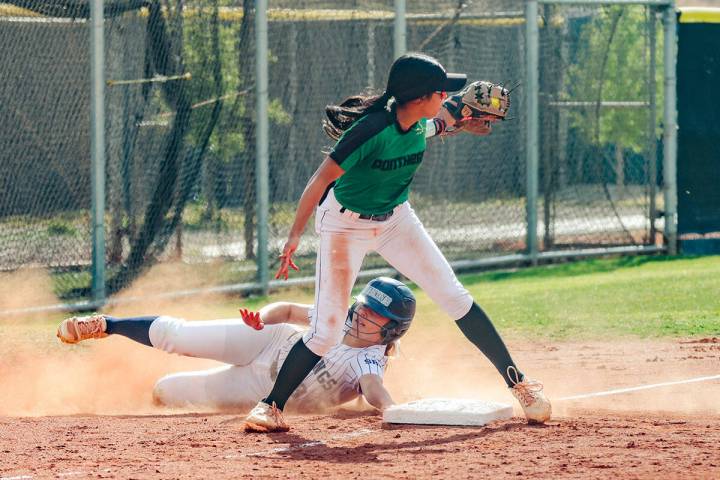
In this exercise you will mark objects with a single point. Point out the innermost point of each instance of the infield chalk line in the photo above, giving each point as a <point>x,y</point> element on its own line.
<point>641,387</point>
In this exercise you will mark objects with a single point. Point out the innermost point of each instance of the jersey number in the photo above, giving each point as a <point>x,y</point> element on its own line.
<point>324,379</point>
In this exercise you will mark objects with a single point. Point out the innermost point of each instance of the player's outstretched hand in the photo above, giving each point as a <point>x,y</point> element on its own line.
<point>286,261</point>
<point>252,318</point>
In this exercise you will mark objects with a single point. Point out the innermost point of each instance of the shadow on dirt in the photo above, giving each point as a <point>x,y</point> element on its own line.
<point>302,448</point>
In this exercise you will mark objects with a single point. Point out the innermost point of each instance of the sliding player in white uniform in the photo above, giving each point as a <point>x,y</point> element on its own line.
<point>255,346</point>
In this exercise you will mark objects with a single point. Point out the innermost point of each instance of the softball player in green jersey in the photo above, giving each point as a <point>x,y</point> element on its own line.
<point>360,198</point>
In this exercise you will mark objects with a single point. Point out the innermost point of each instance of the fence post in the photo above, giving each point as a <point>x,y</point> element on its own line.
<point>532,119</point>
<point>400,30</point>
<point>97,149</point>
<point>262,141</point>
<point>670,128</point>
<point>652,122</point>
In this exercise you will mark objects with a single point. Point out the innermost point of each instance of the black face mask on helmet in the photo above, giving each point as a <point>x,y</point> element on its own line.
<point>391,299</point>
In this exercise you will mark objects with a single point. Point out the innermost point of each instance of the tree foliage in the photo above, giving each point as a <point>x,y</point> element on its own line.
<point>611,64</point>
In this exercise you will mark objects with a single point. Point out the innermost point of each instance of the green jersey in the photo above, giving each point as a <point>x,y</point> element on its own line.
<point>379,161</point>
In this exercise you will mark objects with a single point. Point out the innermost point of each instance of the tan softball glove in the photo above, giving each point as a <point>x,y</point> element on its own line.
<point>474,108</point>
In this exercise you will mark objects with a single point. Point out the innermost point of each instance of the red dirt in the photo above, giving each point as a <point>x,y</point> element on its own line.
<point>668,432</point>
<point>213,446</point>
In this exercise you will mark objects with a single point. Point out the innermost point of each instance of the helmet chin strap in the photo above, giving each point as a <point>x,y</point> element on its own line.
<point>386,331</point>
<point>352,327</point>
<point>349,322</point>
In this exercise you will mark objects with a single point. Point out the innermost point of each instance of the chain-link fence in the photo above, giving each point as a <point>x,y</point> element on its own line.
<point>44,143</point>
<point>600,84</point>
<point>181,117</point>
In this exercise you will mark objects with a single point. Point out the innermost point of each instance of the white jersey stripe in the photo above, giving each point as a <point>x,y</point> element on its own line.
<point>336,378</point>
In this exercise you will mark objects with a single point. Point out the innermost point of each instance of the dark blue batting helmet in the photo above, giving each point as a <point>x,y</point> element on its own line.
<point>391,299</point>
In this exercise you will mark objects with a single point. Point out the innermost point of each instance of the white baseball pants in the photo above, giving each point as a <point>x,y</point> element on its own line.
<point>401,240</point>
<point>249,354</point>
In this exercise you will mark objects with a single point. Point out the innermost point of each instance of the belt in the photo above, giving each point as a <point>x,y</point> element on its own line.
<point>377,218</point>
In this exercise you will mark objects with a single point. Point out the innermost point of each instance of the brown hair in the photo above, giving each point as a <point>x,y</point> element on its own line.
<point>341,117</point>
<point>392,349</point>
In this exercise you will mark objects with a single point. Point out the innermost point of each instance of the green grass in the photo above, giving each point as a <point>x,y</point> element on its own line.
<point>633,296</point>
<point>645,297</point>
<point>642,297</point>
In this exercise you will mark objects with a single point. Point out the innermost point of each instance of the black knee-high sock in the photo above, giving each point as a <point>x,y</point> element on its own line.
<point>299,362</point>
<point>478,328</point>
<point>134,328</point>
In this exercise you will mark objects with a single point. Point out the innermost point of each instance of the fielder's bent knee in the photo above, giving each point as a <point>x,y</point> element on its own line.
<point>319,347</point>
<point>321,340</point>
<point>457,305</point>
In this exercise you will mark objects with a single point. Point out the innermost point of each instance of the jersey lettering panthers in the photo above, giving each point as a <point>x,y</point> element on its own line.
<point>379,160</point>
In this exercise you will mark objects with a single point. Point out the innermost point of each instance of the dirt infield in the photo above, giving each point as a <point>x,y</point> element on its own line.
<point>670,431</point>
<point>340,446</point>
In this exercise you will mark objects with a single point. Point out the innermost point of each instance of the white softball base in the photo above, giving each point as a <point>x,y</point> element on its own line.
<point>447,411</point>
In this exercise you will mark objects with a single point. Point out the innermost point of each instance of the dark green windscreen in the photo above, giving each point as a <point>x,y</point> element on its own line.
<point>698,82</point>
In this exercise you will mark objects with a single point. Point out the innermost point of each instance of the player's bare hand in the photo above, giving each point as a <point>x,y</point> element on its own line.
<point>252,318</point>
<point>286,261</point>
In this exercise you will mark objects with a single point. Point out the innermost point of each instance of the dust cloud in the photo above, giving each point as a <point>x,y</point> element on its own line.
<point>145,295</point>
<point>40,376</point>
<point>114,375</point>
<point>442,363</point>
<point>595,367</point>
<point>25,288</point>
<point>108,376</point>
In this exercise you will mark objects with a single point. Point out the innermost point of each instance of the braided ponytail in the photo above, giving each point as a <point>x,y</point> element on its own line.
<point>341,117</point>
